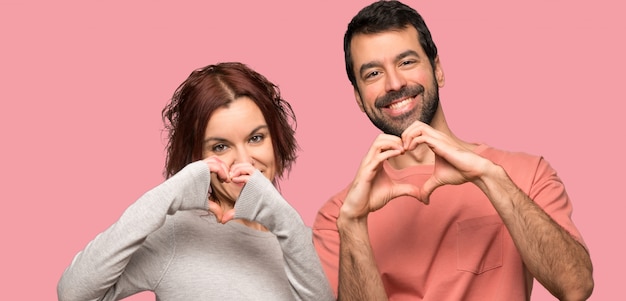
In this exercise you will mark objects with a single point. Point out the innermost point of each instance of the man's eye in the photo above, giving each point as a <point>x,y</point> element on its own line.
<point>372,74</point>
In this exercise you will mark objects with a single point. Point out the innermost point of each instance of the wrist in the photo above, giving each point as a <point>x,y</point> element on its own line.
<point>489,172</point>
<point>347,220</point>
<point>497,186</point>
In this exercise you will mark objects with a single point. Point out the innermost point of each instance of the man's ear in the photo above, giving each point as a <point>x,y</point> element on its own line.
<point>357,97</point>
<point>439,76</point>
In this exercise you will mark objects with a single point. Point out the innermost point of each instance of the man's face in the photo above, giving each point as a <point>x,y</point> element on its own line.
<point>396,82</point>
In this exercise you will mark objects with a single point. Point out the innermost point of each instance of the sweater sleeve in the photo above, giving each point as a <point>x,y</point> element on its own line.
<point>106,268</point>
<point>261,202</point>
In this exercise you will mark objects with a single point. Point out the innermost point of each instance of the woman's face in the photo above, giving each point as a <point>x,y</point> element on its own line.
<point>238,134</point>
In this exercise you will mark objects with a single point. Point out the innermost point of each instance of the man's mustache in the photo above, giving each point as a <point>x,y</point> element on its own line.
<point>407,91</point>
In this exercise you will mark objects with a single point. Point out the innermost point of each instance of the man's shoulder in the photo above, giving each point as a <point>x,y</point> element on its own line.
<point>522,167</point>
<point>336,199</point>
<point>507,157</point>
<point>329,211</point>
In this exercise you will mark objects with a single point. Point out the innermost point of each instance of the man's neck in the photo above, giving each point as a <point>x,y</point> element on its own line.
<point>422,155</point>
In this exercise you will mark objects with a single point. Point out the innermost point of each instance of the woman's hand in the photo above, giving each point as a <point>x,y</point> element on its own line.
<point>222,173</point>
<point>238,174</point>
<point>220,215</point>
<point>219,168</point>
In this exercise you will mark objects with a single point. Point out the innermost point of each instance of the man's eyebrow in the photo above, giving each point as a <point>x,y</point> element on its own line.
<point>399,57</point>
<point>369,65</point>
<point>409,52</point>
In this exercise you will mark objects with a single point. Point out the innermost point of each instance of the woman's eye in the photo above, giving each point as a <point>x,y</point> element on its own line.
<point>256,138</point>
<point>219,148</point>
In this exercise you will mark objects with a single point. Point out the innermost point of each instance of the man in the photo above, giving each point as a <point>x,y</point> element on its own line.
<point>429,216</point>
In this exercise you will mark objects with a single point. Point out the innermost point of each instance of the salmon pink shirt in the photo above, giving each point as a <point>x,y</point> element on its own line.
<point>455,248</point>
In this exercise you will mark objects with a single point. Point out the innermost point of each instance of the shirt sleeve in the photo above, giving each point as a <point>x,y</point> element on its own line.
<point>261,202</point>
<point>326,239</point>
<point>106,269</point>
<point>548,191</point>
<point>535,177</point>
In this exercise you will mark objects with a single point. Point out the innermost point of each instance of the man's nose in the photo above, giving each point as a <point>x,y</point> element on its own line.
<point>394,80</point>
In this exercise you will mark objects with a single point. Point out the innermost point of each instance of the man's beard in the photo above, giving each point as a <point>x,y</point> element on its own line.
<point>424,112</point>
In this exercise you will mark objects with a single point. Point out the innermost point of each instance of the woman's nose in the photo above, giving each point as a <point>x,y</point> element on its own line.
<point>243,156</point>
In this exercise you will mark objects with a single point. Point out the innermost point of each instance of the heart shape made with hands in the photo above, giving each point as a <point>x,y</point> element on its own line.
<point>454,163</point>
<point>237,174</point>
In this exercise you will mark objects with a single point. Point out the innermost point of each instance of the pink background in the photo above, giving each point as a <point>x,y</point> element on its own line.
<point>83,84</point>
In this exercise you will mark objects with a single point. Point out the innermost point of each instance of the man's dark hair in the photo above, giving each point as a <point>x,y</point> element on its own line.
<point>384,16</point>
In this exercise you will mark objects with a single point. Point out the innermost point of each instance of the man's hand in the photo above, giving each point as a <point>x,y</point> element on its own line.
<point>371,188</point>
<point>455,162</point>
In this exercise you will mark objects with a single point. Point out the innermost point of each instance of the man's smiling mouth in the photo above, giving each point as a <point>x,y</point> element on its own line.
<point>400,104</point>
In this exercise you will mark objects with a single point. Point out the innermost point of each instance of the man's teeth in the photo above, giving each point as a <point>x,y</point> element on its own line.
<point>400,104</point>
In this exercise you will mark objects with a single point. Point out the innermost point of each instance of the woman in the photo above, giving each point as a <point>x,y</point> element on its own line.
<point>217,228</point>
